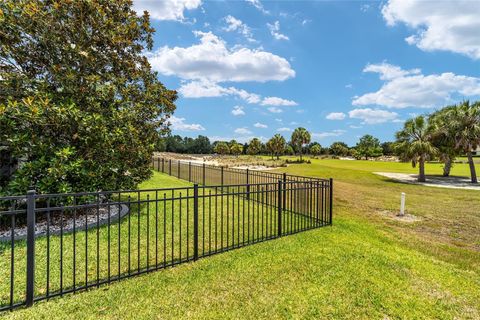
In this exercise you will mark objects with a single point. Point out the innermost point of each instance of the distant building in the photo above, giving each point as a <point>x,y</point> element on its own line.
<point>476,152</point>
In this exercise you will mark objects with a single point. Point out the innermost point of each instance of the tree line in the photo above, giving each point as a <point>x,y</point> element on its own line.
<point>442,135</point>
<point>299,144</point>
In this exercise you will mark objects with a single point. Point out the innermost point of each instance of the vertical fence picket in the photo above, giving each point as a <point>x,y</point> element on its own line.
<point>30,248</point>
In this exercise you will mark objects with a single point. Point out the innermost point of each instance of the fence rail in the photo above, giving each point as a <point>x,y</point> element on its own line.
<point>71,242</point>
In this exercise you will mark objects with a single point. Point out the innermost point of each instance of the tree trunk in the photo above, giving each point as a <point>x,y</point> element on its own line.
<point>421,166</point>
<point>447,166</point>
<point>473,174</point>
<point>300,155</point>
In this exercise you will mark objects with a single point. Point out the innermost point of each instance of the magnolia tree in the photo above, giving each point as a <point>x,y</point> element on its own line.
<point>80,107</point>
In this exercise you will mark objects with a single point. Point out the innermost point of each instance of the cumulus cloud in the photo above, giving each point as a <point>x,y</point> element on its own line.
<point>373,116</point>
<point>179,124</point>
<point>260,125</point>
<point>440,25</point>
<point>208,89</point>
<point>238,111</point>
<point>166,9</point>
<point>334,133</point>
<point>284,129</point>
<point>335,116</point>
<point>410,88</point>
<point>275,101</point>
<point>242,131</point>
<point>212,60</point>
<point>234,24</point>
<point>275,31</point>
<point>388,71</point>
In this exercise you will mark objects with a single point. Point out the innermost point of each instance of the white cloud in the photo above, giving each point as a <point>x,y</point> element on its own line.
<point>212,60</point>
<point>257,4</point>
<point>238,111</point>
<point>242,131</point>
<point>284,129</point>
<point>410,88</point>
<point>208,89</point>
<point>274,110</point>
<point>166,9</point>
<point>180,125</point>
<point>234,24</point>
<point>373,116</point>
<point>388,71</point>
<point>334,133</point>
<point>275,101</point>
<point>275,31</point>
<point>260,125</point>
<point>335,116</point>
<point>440,25</point>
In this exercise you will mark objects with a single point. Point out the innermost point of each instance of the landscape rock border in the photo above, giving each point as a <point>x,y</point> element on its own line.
<point>117,211</point>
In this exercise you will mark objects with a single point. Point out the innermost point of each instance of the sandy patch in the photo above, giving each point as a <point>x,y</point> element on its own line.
<point>408,218</point>
<point>433,181</point>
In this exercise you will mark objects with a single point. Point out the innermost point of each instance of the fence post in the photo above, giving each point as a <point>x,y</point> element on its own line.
<point>203,174</point>
<point>248,185</point>
<point>170,167</point>
<point>284,190</point>
<point>163,165</point>
<point>178,168</point>
<point>158,164</point>
<point>221,176</point>
<point>331,199</point>
<point>279,205</point>
<point>195,222</point>
<point>189,172</point>
<point>30,290</point>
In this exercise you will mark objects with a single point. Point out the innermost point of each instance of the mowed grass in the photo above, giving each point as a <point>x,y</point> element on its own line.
<point>366,266</point>
<point>157,231</point>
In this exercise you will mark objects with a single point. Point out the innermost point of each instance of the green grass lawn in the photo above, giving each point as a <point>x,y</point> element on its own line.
<point>367,266</point>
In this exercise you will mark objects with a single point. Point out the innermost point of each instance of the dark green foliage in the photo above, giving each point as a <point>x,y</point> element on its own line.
<point>388,148</point>
<point>368,146</point>
<point>254,147</point>
<point>80,107</point>
<point>339,148</point>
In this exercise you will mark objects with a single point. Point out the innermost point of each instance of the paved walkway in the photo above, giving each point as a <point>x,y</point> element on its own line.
<point>433,181</point>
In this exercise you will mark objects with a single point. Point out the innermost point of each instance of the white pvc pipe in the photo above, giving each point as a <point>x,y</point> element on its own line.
<point>402,204</point>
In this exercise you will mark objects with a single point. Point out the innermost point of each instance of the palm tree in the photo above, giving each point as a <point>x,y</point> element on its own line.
<point>254,146</point>
<point>300,137</point>
<point>465,127</point>
<point>414,143</point>
<point>277,145</point>
<point>443,137</point>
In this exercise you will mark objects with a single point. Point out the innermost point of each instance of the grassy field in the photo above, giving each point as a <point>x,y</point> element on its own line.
<point>367,266</point>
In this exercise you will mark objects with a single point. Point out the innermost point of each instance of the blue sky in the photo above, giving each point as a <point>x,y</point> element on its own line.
<point>340,69</point>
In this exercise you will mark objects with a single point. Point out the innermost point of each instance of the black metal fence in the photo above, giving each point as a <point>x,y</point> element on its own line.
<point>72,242</point>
